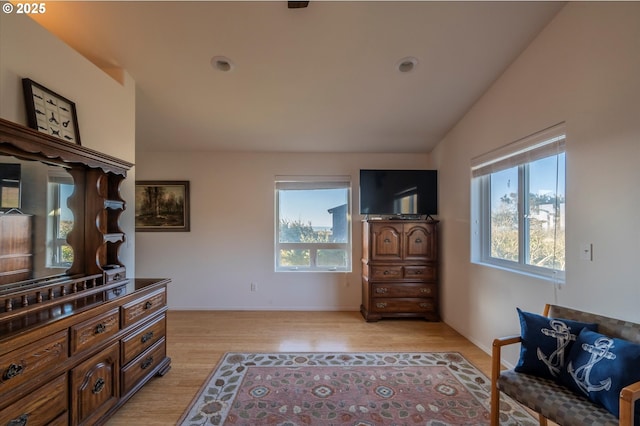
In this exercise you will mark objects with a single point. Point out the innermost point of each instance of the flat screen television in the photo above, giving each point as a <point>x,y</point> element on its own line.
<point>9,186</point>
<point>399,192</point>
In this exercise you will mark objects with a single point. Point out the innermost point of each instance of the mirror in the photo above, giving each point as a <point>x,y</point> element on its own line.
<point>35,219</point>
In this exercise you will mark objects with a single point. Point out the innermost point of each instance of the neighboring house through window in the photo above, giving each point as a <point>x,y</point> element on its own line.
<point>518,206</point>
<point>313,223</point>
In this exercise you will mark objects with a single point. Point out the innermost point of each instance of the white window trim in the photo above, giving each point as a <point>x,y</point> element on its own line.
<point>312,182</point>
<point>545,143</point>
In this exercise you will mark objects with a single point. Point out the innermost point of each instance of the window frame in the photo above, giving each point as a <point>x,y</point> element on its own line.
<point>313,183</point>
<point>55,241</point>
<point>520,154</point>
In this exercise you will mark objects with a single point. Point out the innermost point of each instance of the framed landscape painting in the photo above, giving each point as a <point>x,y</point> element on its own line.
<point>162,206</point>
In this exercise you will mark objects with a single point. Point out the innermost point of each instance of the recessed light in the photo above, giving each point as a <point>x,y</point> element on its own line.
<point>222,63</point>
<point>407,64</point>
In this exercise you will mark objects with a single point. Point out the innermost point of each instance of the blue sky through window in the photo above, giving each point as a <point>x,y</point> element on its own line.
<point>311,205</point>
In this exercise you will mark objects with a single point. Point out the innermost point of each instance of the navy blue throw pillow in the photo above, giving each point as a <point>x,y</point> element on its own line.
<point>599,367</point>
<point>546,343</point>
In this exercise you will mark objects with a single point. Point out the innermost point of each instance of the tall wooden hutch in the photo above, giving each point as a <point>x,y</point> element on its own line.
<point>75,345</point>
<point>399,269</point>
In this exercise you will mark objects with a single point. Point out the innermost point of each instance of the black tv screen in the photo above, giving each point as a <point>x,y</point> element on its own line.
<point>398,192</point>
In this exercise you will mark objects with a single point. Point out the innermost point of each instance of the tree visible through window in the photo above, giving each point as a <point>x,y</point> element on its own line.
<point>313,225</point>
<point>518,202</point>
<point>59,221</point>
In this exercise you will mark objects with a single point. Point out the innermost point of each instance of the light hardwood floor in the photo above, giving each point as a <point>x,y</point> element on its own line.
<point>197,339</point>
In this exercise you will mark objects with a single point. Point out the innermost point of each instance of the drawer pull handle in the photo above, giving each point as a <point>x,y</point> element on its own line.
<point>425,290</point>
<point>387,241</point>
<point>100,328</point>
<point>381,290</point>
<point>386,272</point>
<point>425,305</point>
<point>381,305</point>
<point>117,291</point>
<point>148,305</point>
<point>13,371</point>
<point>116,277</point>
<point>147,363</point>
<point>97,388</point>
<point>19,421</point>
<point>146,337</point>
<point>418,241</point>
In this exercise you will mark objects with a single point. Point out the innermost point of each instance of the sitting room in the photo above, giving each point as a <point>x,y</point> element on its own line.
<point>321,212</point>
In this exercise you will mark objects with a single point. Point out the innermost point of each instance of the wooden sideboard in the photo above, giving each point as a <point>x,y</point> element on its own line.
<point>78,361</point>
<point>399,269</point>
<point>74,346</point>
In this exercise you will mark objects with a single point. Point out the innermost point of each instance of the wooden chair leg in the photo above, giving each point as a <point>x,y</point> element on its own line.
<point>542,419</point>
<point>495,392</point>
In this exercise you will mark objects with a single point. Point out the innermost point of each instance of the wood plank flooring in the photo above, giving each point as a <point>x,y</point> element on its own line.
<point>197,339</point>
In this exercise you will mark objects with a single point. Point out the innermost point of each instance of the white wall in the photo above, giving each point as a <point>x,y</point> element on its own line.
<point>106,109</point>
<point>583,69</point>
<point>231,242</point>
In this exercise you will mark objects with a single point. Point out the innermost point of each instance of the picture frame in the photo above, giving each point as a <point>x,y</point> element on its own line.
<point>162,206</point>
<point>50,113</point>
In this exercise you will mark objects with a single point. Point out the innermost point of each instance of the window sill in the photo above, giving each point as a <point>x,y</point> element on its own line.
<point>554,277</point>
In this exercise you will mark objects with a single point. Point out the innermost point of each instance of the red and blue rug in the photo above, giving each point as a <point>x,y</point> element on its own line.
<point>355,389</point>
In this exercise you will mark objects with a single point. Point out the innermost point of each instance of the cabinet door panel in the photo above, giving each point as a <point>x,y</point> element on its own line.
<point>95,385</point>
<point>387,241</point>
<point>420,242</point>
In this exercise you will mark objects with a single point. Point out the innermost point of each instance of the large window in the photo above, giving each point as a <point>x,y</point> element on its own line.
<point>518,206</point>
<point>313,229</point>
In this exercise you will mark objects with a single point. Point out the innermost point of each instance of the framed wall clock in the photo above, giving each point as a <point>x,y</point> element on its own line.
<point>50,113</point>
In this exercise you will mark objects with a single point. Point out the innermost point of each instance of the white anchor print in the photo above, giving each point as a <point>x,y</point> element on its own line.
<point>562,333</point>
<point>599,351</point>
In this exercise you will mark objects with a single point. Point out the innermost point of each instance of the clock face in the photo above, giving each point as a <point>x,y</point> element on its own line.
<point>54,116</point>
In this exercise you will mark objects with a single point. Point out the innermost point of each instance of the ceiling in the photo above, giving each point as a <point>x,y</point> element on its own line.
<point>320,79</point>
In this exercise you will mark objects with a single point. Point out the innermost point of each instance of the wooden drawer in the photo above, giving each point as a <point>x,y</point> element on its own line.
<point>144,307</point>
<point>143,338</point>
<point>403,305</point>
<point>89,333</point>
<point>423,273</point>
<point>95,386</point>
<point>33,362</point>
<point>114,274</point>
<point>403,290</point>
<point>116,292</point>
<point>140,367</point>
<point>388,272</point>
<point>46,405</point>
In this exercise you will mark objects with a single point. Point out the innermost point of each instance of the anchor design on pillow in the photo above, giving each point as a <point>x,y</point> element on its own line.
<point>562,333</point>
<point>599,351</point>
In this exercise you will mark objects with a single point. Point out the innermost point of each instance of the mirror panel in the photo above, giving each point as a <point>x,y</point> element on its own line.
<point>35,213</point>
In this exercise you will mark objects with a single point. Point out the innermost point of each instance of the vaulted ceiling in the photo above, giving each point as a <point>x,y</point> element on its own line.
<point>324,78</point>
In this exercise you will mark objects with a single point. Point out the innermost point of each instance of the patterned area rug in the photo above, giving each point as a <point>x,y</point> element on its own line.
<point>355,389</point>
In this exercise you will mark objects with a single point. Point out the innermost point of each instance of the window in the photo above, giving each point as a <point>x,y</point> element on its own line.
<point>518,206</point>
<point>313,228</point>
<point>59,220</point>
